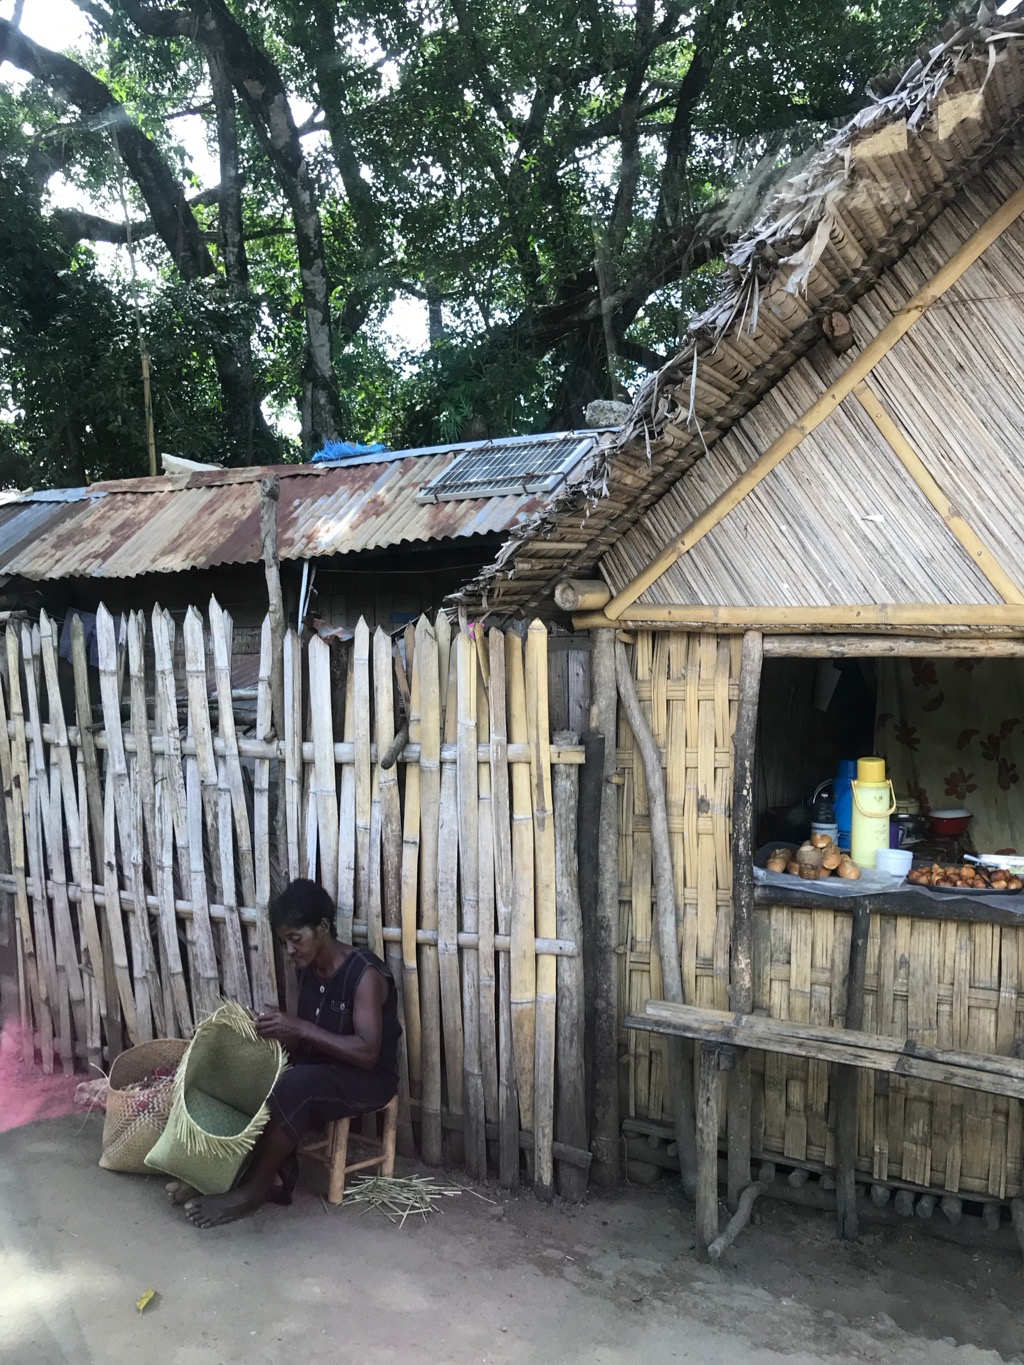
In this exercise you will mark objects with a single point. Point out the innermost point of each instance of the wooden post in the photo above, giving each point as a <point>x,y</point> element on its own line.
<point>741,985</point>
<point>270,495</point>
<point>587,860</point>
<point>706,1212</point>
<point>571,1112</point>
<point>846,1080</point>
<point>603,931</point>
<point>666,919</point>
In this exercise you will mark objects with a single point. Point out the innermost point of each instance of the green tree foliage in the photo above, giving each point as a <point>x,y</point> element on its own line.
<point>549,179</point>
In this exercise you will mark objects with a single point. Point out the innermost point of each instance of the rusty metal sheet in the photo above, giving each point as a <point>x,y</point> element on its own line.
<point>127,527</point>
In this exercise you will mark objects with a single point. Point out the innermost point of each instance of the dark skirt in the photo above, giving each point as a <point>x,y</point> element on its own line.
<point>310,1095</point>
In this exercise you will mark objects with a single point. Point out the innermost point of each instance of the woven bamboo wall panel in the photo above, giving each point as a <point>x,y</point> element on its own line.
<point>687,685</point>
<point>944,983</point>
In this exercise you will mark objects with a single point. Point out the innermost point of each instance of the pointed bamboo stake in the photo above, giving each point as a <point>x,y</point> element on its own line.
<point>361,767</point>
<point>508,1096</point>
<point>158,840</point>
<point>112,911</point>
<point>486,953</point>
<point>293,752</point>
<point>261,944</point>
<point>232,814</point>
<point>544,902</point>
<point>372,911</point>
<point>469,880</point>
<point>120,839</point>
<point>523,952</point>
<point>410,893</point>
<point>347,810</point>
<point>448,923</point>
<point>50,834</point>
<point>140,728</point>
<point>391,861</point>
<point>333,840</point>
<point>93,966</point>
<point>438,910</point>
<point>202,735</point>
<point>14,807</point>
<point>173,774</point>
<point>36,877</point>
<point>92,831</point>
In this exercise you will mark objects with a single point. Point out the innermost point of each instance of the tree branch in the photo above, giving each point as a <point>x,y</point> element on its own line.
<point>79,226</point>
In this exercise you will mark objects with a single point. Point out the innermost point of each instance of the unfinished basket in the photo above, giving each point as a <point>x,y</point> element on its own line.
<point>331,1151</point>
<point>220,1101</point>
<point>137,1113</point>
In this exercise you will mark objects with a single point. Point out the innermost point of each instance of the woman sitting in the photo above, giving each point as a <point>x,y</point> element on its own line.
<point>343,1046</point>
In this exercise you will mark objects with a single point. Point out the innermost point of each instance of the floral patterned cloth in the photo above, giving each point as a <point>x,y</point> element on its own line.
<point>952,732</point>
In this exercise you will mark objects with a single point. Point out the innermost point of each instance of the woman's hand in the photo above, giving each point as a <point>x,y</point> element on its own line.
<point>285,1028</point>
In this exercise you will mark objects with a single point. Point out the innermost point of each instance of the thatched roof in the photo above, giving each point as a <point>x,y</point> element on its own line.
<point>823,238</point>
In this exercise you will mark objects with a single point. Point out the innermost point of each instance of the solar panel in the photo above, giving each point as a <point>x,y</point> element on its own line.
<point>523,464</point>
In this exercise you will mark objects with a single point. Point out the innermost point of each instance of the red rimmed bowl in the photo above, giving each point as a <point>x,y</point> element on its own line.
<point>950,824</point>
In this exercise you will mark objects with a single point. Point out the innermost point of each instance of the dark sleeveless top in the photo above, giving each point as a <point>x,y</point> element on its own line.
<point>329,1004</point>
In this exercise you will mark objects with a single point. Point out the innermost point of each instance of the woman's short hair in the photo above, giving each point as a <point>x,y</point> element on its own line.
<point>303,905</point>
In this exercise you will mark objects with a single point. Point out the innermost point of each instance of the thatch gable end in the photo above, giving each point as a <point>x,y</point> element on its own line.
<point>845,518</point>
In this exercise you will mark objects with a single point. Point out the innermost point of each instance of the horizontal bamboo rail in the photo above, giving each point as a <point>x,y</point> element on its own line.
<point>925,615</point>
<point>888,647</point>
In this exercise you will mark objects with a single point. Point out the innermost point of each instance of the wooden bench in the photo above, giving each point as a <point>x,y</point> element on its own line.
<point>721,1033</point>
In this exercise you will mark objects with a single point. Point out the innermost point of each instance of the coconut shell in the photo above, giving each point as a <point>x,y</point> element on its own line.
<point>809,874</point>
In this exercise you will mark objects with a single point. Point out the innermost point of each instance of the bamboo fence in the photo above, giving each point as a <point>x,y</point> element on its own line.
<point>144,848</point>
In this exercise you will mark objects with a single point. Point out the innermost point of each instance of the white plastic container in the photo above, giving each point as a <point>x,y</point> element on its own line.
<point>896,861</point>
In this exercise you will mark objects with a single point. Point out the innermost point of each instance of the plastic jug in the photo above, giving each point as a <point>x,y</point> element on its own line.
<point>842,799</point>
<point>873,802</point>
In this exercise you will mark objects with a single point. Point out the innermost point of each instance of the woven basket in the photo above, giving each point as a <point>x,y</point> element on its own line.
<point>220,1101</point>
<point>136,1118</point>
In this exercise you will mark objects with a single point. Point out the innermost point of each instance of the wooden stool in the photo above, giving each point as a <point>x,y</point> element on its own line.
<point>331,1150</point>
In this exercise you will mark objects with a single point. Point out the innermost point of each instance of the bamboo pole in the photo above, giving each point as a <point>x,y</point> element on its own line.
<point>922,615</point>
<point>410,898</point>
<point>202,734</point>
<point>544,904</point>
<point>391,864</point>
<point>270,496</point>
<point>293,755</point>
<point>347,810</point>
<point>487,909</point>
<point>448,919</point>
<point>28,979</point>
<point>571,1113</point>
<point>143,748</point>
<point>959,528</point>
<point>863,364</point>
<point>741,986</point>
<point>601,936</point>
<point>437,905</point>
<point>582,594</point>
<point>524,961</point>
<point>508,1097</point>
<point>336,844</point>
<point>889,647</point>
<point>846,1080</point>
<point>666,917</point>
<point>119,788</point>
<point>261,940</point>
<point>361,765</point>
<point>469,881</point>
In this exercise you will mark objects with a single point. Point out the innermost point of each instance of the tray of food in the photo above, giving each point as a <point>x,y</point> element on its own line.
<point>972,879</point>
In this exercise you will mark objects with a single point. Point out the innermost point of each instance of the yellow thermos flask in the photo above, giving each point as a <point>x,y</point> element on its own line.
<point>873,802</point>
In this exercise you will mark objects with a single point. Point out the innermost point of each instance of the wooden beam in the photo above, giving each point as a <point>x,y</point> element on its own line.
<point>582,594</point>
<point>888,647</point>
<point>911,461</point>
<point>825,406</point>
<point>706,1194</point>
<point>930,615</point>
<point>741,975</point>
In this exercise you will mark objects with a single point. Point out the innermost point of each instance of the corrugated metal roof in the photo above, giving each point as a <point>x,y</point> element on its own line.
<point>201,520</point>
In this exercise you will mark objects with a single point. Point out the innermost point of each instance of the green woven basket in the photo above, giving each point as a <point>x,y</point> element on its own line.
<point>220,1101</point>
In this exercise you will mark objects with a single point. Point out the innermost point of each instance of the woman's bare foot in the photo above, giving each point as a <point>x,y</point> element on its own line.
<point>179,1191</point>
<point>211,1210</point>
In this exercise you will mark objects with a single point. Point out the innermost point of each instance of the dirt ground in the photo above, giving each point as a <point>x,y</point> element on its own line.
<point>503,1281</point>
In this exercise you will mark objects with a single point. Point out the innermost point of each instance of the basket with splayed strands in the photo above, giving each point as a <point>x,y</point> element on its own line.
<point>137,1111</point>
<point>220,1101</point>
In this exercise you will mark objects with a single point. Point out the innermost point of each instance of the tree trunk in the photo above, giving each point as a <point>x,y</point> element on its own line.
<point>262,90</point>
<point>248,432</point>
